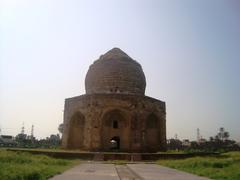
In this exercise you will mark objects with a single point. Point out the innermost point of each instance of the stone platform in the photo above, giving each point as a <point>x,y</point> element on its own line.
<point>108,156</point>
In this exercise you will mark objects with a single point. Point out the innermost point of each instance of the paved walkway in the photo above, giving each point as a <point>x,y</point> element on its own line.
<point>99,171</point>
<point>156,172</point>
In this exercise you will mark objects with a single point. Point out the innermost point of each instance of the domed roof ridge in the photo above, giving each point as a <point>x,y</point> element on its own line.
<point>115,53</point>
<point>115,72</point>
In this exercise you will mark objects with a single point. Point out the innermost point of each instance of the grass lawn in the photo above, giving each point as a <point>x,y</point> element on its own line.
<point>223,167</point>
<point>47,150</point>
<point>21,166</point>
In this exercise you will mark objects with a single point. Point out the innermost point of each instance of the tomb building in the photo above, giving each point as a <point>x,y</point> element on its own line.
<point>115,114</point>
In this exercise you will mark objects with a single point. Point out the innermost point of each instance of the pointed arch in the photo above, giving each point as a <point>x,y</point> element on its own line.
<point>76,130</point>
<point>152,121</point>
<point>114,119</point>
<point>115,127</point>
<point>152,132</point>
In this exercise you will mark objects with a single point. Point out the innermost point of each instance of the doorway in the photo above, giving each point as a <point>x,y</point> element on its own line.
<point>115,131</point>
<point>115,143</point>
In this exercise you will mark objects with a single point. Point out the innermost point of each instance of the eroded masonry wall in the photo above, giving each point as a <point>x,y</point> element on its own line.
<point>137,122</point>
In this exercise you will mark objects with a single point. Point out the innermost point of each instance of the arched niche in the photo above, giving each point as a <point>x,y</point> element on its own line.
<point>152,121</point>
<point>152,131</point>
<point>114,119</point>
<point>76,130</point>
<point>115,143</point>
<point>115,124</point>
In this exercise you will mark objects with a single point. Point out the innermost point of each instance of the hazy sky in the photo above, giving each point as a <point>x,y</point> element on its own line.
<point>189,51</point>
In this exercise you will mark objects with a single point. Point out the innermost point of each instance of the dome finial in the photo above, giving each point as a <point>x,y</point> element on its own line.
<point>115,53</point>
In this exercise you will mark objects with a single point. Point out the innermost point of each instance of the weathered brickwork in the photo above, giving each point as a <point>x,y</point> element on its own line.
<point>123,114</point>
<point>115,72</point>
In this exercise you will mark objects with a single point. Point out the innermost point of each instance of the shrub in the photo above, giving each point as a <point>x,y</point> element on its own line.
<point>25,166</point>
<point>225,166</point>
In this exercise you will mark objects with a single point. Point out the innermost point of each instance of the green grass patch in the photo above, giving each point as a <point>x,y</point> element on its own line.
<point>25,166</point>
<point>172,152</point>
<point>222,167</point>
<point>46,150</point>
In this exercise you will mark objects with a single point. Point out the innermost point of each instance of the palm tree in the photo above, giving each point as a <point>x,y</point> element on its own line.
<point>226,135</point>
<point>221,133</point>
<point>211,139</point>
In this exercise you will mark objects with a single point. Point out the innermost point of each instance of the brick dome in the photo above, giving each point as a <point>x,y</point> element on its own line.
<point>115,72</point>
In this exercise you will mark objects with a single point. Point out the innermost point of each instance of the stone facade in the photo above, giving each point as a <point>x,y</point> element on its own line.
<point>115,109</point>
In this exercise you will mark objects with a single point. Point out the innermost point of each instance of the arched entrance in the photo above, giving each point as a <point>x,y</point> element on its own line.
<point>152,132</point>
<point>76,131</point>
<point>115,143</point>
<point>115,131</point>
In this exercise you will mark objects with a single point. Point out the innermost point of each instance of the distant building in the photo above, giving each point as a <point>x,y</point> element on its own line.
<point>202,140</point>
<point>7,140</point>
<point>186,142</point>
<point>21,137</point>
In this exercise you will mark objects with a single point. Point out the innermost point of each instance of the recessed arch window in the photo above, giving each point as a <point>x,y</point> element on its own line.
<point>152,121</point>
<point>115,124</point>
<point>76,131</point>
<point>114,119</point>
<point>78,119</point>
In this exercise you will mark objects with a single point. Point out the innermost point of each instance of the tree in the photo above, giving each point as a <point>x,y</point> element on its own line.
<point>226,135</point>
<point>222,135</point>
<point>211,139</point>
<point>174,144</point>
<point>61,128</point>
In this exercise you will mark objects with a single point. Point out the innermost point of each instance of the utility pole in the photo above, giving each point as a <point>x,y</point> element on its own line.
<point>23,129</point>
<point>198,135</point>
<point>32,131</point>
